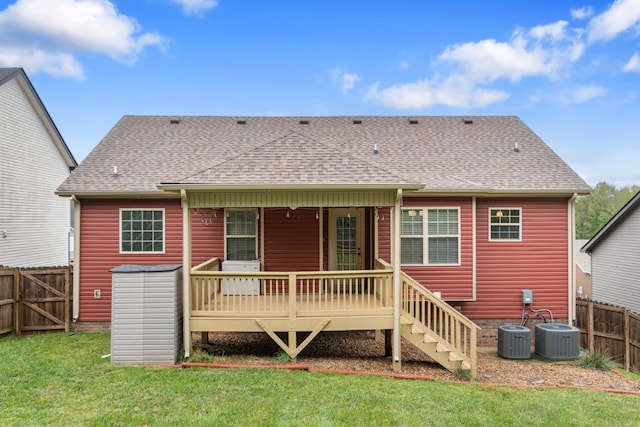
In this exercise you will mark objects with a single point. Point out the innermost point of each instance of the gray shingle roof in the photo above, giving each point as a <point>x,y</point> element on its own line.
<point>441,153</point>
<point>7,74</point>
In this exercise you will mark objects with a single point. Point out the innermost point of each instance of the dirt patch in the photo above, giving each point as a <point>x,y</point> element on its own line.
<point>360,351</point>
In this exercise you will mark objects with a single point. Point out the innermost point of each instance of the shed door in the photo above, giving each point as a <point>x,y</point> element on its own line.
<point>346,239</point>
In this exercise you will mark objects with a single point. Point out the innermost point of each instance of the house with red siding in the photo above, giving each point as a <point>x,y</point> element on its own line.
<point>427,228</point>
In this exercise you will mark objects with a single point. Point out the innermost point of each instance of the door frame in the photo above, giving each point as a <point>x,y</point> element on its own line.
<point>334,213</point>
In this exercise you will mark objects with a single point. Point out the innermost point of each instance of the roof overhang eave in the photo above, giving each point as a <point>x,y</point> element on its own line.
<point>117,194</point>
<point>499,192</point>
<point>177,187</point>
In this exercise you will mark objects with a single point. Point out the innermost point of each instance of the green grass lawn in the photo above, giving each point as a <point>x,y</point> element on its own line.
<point>60,379</point>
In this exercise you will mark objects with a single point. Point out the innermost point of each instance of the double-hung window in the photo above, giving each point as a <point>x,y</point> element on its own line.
<point>241,234</point>
<point>141,230</point>
<point>435,241</point>
<point>505,224</point>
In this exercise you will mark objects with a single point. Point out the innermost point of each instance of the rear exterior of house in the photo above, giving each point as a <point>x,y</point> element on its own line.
<point>615,258</point>
<point>34,222</point>
<point>392,223</point>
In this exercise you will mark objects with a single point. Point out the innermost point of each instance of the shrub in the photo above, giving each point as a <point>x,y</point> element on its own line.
<point>595,360</point>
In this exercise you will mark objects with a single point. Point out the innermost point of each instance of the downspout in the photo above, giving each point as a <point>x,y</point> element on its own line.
<point>395,260</point>
<point>186,274</point>
<point>571,208</point>
<point>76,258</point>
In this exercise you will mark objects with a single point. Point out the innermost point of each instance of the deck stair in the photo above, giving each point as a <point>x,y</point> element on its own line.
<point>436,328</point>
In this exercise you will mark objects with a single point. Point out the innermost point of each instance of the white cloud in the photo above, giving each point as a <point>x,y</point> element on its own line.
<point>555,31</point>
<point>346,80</point>
<point>621,16</point>
<point>453,92</point>
<point>46,36</point>
<point>196,7</point>
<point>582,13</point>
<point>633,64</point>
<point>544,51</point>
<point>349,81</point>
<point>58,64</point>
<point>585,93</point>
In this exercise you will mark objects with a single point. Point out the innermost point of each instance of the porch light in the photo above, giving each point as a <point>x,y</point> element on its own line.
<point>499,214</point>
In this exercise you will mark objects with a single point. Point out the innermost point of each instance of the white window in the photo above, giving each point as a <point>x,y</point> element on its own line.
<point>505,224</point>
<point>142,230</point>
<point>241,234</point>
<point>436,244</point>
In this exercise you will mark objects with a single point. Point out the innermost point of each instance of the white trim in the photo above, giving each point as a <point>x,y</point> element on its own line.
<point>76,258</point>
<point>426,236</point>
<point>320,235</point>
<point>375,241</point>
<point>164,231</point>
<point>186,275</point>
<point>333,214</point>
<point>503,208</point>
<point>256,236</point>
<point>395,259</point>
<point>571,277</point>
<point>261,231</point>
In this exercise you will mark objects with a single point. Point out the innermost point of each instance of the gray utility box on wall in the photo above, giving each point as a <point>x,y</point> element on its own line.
<point>146,314</point>
<point>514,342</point>
<point>558,342</point>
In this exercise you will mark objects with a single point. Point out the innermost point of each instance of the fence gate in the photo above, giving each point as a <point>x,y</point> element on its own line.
<point>35,300</point>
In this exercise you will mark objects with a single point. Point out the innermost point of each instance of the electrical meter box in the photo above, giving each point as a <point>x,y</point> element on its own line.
<point>527,296</point>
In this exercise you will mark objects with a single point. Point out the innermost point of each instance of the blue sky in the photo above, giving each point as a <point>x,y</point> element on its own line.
<point>569,69</point>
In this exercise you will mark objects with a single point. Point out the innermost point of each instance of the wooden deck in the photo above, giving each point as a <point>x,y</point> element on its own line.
<point>226,301</point>
<point>291,302</point>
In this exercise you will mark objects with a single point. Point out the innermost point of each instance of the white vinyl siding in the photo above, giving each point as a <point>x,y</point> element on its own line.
<point>505,224</point>
<point>615,265</point>
<point>241,230</point>
<point>436,244</point>
<point>34,222</point>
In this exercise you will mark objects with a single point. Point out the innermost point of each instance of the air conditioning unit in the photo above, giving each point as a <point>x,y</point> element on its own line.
<point>557,342</point>
<point>514,342</point>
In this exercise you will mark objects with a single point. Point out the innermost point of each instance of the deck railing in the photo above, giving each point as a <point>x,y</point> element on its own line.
<point>449,325</point>
<point>286,294</point>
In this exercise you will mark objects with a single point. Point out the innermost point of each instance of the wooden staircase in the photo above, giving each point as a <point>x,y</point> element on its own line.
<point>436,328</point>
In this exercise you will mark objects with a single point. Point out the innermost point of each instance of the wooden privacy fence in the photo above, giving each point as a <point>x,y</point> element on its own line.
<point>35,300</point>
<point>610,329</point>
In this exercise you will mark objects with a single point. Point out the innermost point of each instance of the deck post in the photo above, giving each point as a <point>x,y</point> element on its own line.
<point>186,274</point>
<point>293,291</point>
<point>395,260</point>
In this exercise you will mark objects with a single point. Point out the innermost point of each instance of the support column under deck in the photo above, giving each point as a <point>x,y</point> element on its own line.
<point>395,261</point>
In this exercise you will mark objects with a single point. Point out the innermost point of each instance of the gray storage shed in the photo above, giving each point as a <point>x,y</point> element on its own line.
<point>146,314</point>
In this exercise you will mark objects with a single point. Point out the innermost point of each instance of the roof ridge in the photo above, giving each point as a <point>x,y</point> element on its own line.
<point>229,159</point>
<point>372,164</point>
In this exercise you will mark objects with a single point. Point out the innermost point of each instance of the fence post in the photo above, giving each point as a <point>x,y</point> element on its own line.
<point>627,344</point>
<point>590,323</point>
<point>16,301</point>
<point>67,293</point>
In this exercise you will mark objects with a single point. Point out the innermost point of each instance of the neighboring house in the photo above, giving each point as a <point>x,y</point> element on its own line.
<point>582,269</point>
<point>34,222</point>
<point>615,258</point>
<point>367,220</point>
